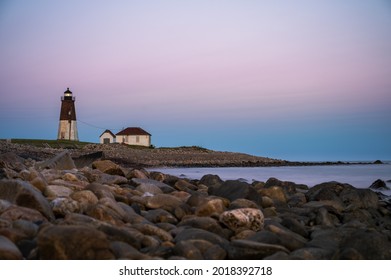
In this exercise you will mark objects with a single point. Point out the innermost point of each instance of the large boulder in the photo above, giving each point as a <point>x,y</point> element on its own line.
<point>24,194</point>
<point>66,242</point>
<point>350,197</point>
<point>108,167</point>
<point>370,244</point>
<point>242,219</point>
<point>8,250</point>
<point>62,161</point>
<point>379,185</point>
<point>235,189</point>
<point>12,161</point>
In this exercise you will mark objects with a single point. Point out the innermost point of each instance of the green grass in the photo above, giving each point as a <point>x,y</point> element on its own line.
<point>51,143</point>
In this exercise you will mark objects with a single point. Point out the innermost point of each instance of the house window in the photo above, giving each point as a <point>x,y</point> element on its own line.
<point>106,140</point>
<point>137,139</point>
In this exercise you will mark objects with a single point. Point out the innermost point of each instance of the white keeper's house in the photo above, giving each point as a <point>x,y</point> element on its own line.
<point>130,136</point>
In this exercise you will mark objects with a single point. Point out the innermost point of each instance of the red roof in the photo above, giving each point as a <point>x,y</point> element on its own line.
<point>133,131</point>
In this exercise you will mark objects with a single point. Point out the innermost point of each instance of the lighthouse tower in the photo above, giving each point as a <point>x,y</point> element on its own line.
<point>67,128</point>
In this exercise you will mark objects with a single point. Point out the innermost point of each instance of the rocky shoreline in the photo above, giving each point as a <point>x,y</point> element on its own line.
<point>54,208</point>
<point>136,157</point>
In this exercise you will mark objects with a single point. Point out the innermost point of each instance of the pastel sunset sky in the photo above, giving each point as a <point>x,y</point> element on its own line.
<point>297,80</point>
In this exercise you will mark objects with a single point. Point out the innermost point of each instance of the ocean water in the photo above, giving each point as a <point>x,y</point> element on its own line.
<point>359,176</point>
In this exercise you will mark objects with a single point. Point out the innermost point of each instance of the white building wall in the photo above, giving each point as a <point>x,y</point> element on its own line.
<point>106,135</point>
<point>67,131</point>
<point>138,140</point>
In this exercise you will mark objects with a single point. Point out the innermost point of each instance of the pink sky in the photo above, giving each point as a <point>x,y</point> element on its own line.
<point>297,71</point>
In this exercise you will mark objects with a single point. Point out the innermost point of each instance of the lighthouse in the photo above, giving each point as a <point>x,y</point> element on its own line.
<point>67,128</point>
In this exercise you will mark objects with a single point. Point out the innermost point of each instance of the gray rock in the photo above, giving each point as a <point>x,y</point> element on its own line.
<point>196,233</point>
<point>73,243</point>
<point>164,201</point>
<point>149,229</point>
<point>210,207</point>
<point>296,226</point>
<point>187,250</point>
<point>62,161</point>
<point>24,194</point>
<point>250,250</point>
<point>205,223</point>
<point>8,250</point>
<point>101,191</point>
<point>54,191</point>
<point>10,160</point>
<point>164,187</point>
<point>211,180</point>
<point>64,205</point>
<point>130,236</point>
<point>379,185</point>
<point>233,190</point>
<point>242,203</point>
<point>108,167</point>
<point>371,244</point>
<point>123,250</point>
<point>288,238</point>
<point>160,216</point>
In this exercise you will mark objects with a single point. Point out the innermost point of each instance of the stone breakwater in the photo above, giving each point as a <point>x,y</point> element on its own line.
<point>52,209</point>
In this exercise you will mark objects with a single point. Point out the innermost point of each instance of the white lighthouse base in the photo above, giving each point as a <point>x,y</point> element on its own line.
<point>67,130</point>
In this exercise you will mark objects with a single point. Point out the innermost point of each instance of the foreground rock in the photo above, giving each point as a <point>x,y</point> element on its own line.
<point>51,210</point>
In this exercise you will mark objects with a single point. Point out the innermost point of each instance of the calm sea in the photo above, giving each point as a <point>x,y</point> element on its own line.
<point>359,176</point>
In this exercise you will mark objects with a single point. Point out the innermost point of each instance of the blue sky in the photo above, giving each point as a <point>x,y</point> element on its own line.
<point>297,80</point>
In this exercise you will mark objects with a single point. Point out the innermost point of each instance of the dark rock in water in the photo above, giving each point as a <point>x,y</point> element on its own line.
<point>371,244</point>
<point>345,194</point>
<point>378,162</point>
<point>73,243</point>
<point>326,191</point>
<point>233,189</point>
<point>379,185</point>
<point>211,180</point>
<point>62,161</point>
<point>250,250</point>
<point>24,194</point>
<point>289,187</point>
